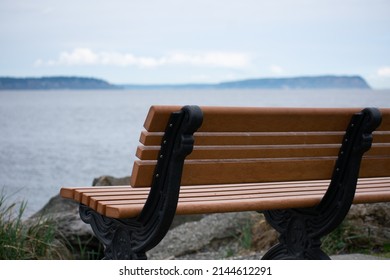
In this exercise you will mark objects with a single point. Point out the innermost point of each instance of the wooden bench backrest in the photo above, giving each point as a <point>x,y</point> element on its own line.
<point>248,145</point>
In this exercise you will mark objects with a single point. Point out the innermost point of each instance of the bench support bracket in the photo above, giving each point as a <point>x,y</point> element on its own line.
<point>132,238</point>
<point>301,230</point>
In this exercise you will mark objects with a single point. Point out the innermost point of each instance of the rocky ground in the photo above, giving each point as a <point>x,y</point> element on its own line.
<point>243,235</point>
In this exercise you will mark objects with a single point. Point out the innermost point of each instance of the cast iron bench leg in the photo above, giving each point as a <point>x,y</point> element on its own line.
<point>132,238</point>
<point>301,229</point>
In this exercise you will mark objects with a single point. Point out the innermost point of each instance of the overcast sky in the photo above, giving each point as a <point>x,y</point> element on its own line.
<point>178,41</point>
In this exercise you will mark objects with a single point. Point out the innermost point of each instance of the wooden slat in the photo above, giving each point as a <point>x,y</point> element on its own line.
<point>248,119</point>
<point>385,125</point>
<point>251,138</point>
<point>381,137</point>
<point>158,116</point>
<point>67,192</point>
<point>268,203</point>
<point>380,196</point>
<point>246,152</point>
<point>218,172</point>
<point>76,192</point>
<point>269,151</point>
<point>288,138</point>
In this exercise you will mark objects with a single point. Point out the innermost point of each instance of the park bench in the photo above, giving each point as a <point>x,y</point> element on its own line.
<point>301,167</point>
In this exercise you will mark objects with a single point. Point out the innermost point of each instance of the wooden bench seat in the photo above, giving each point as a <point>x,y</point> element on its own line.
<point>223,159</point>
<point>127,202</point>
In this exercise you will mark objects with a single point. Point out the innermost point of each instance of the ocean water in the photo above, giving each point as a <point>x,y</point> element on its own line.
<point>50,139</point>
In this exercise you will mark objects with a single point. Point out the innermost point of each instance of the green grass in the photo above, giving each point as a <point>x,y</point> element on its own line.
<point>385,252</point>
<point>346,239</point>
<point>18,241</point>
<point>246,236</point>
<point>84,252</point>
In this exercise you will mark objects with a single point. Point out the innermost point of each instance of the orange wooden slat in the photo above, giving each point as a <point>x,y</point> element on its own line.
<point>251,138</point>
<point>67,192</point>
<point>385,125</point>
<point>367,197</point>
<point>158,116</point>
<point>74,192</point>
<point>198,172</point>
<point>247,152</point>
<point>92,201</point>
<point>258,138</point>
<point>219,172</point>
<point>254,119</point>
<point>269,151</point>
<point>79,193</point>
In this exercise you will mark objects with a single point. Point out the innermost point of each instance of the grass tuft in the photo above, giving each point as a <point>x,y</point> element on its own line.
<point>19,241</point>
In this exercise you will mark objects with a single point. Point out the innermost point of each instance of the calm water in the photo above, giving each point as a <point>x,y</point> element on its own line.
<point>50,139</point>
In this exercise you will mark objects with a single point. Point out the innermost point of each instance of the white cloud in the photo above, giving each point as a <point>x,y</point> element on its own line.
<point>384,72</point>
<point>276,69</point>
<point>77,57</point>
<point>85,56</point>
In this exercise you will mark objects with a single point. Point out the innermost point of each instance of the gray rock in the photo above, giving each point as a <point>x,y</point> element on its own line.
<point>111,181</point>
<point>372,221</point>
<point>216,233</point>
<point>356,257</point>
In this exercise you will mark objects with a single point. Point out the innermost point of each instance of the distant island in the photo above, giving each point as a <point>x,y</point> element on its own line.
<point>81,83</point>
<point>315,82</point>
<point>307,82</point>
